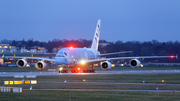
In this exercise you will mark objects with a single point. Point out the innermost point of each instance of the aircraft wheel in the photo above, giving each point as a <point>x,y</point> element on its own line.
<point>76,71</point>
<point>66,71</point>
<point>85,71</point>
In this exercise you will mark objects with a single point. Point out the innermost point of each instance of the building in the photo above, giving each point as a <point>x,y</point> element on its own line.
<point>33,50</point>
<point>55,50</point>
<point>36,49</point>
<point>41,50</point>
<point>103,44</point>
<point>6,48</point>
<point>23,50</point>
<point>3,47</point>
<point>13,49</point>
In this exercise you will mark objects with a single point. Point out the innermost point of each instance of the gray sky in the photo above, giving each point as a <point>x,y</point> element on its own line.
<point>125,20</point>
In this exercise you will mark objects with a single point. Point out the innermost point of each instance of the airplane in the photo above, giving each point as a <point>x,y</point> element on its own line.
<point>84,57</point>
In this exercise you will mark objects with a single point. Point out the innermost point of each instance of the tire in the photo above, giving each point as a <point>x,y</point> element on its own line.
<point>76,71</point>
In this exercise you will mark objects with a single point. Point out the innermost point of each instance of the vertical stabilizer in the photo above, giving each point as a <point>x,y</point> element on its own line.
<point>95,41</point>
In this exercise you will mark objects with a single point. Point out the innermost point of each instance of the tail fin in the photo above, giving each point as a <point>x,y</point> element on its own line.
<point>95,41</point>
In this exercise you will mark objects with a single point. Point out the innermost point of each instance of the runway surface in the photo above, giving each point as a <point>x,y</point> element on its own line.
<point>145,83</point>
<point>56,73</point>
<point>109,90</point>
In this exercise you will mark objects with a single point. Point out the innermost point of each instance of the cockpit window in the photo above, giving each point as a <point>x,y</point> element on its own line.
<point>60,56</point>
<point>65,53</point>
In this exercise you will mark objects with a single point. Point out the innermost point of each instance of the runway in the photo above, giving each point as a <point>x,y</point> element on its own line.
<point>56,73</point>
<point>109,90</point>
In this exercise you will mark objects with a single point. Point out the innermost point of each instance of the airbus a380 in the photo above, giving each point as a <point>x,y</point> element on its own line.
<point>83,57</point>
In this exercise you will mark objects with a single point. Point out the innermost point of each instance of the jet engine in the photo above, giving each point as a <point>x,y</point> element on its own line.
<point>135,63</point>
<point>40,65</point>
<point>21,63</point>
<point>106,65</point>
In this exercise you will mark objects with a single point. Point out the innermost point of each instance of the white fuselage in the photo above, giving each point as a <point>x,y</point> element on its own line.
<point>68,56</point>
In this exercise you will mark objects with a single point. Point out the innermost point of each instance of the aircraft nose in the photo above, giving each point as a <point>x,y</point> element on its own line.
<point>60,60</point>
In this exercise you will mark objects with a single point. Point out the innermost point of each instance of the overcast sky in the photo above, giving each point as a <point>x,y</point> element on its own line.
<point>124,20</point>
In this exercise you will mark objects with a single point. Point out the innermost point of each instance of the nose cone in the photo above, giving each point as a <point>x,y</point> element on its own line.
<point>61,60</point>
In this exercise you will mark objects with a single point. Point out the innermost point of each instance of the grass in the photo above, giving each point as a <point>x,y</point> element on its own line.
<point>89,96</point>
<point>113,79</point>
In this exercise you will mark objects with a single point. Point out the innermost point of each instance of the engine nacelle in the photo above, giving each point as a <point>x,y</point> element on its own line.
<point>21,63</point>
<point>106,65</point>
<point>135,63</point>
<point>40,65</point>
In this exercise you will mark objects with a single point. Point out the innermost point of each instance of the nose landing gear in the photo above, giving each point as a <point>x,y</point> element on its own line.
<point>63,70</point>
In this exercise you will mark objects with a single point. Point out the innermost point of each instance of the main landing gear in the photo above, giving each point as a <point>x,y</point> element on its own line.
<point>64,70</point>
<point>91,70</point>
<point>74,71</point>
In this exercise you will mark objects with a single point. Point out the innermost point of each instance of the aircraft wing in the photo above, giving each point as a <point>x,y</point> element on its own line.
<point>118,58</point>
<point>115,53</point>
<point>37,58</point>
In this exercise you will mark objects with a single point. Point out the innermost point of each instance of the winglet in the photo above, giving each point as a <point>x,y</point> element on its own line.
<point>177,56</point>
<point>3,56</point>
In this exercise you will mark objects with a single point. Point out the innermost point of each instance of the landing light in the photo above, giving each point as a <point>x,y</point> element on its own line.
<point>82,62</point>
<point>71,47</point>
<point>78,68</point>
<point>60,69</point>
<point>122,64</point>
